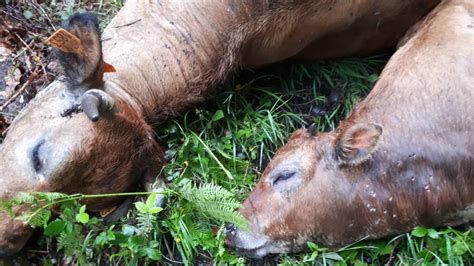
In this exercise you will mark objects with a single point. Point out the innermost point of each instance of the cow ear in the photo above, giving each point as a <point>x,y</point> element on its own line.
<point>356,144</point>
<point>79,50</point>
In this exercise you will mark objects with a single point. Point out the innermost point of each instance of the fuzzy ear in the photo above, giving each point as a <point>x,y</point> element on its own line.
<point>79,50</point>
<point>356,144</point>
<point>312,130</point>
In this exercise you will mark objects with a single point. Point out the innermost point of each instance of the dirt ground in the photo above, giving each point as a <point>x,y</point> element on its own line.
<point>26,61</point>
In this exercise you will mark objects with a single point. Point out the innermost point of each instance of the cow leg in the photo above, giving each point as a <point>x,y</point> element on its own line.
<point>368,35</point>
<point>118,213</point>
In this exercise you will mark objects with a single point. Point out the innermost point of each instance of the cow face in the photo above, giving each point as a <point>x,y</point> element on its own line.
<point>301,191</point>
<point>76,136</point>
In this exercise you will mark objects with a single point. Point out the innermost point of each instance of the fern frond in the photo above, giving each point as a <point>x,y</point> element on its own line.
<point>214,201</point>
<point>145,223</point>
<point>205,192</point>
<point>39,218</point>
<point>232,217</point>
<point>24,198</point>
<point>50,196</point>
<point>69,241</point>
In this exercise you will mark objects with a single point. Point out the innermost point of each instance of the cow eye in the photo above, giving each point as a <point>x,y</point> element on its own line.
<point>283,176</point>
<point>35,156</point>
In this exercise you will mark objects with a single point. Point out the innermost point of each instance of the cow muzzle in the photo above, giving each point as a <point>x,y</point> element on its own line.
<point>248,244</point>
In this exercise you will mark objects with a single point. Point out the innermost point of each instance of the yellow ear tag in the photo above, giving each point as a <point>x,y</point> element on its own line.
<point>66,42</point>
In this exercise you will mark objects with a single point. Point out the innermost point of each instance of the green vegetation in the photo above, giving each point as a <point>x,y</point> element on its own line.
<point>216,154</point>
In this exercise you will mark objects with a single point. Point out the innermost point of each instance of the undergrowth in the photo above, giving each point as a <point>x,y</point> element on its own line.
<point>216,153</point>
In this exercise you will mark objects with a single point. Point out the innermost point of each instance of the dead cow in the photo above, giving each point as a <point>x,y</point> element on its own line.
<point>405,157</point>
<point>168,55</point>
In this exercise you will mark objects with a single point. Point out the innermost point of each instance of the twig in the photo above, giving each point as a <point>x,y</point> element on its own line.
<point>6,114</point>
<point>391,258</point>
<point>45,14</point>
<point>21,90</point>
<point>38,251</point>
<point>31,51</point>
<point>172,261</point>
<point>170,253</point>
<point>19,53</point>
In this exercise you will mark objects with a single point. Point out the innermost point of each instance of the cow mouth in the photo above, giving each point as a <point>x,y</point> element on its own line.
<point>254,253</point>
<point>251,253</point>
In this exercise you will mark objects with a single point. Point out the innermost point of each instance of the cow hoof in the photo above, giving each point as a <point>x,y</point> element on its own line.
<point>160,197</point>
<point>121,211</point>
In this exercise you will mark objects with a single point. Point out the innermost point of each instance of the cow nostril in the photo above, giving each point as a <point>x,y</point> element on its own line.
<point>230,228</point>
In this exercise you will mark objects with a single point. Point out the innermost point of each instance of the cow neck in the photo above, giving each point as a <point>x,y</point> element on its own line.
<point>161,65</point>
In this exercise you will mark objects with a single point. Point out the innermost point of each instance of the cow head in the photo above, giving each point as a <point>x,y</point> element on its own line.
<point>306,194</point>
<point>77,136</point>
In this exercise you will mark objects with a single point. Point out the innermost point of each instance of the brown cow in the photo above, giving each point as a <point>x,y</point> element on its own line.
<point>405,157</point>
<point>168,56</point>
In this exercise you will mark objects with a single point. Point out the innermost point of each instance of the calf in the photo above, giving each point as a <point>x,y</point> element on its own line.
<point>403,158</point>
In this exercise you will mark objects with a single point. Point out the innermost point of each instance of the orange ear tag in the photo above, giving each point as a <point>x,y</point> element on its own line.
<point>66,42</point>
<point>108,68</point>
<point>69,43</point>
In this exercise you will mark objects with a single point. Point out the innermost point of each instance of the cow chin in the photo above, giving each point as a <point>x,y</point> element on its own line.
<point>247,244</point>
<point>253,245</point>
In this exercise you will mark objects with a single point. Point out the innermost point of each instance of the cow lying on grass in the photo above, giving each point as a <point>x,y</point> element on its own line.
<point>168,55</point>
<point>405,157</point>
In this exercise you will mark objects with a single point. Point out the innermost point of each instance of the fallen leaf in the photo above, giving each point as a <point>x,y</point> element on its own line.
<point>12,79</point>
<point>3,124</point>
<point>4,53</point>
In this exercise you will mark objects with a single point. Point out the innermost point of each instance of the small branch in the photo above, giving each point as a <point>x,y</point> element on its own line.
<point>38,251</point>
<point>31,51</point>
<point>391,258</point>
<point>6,114</point>
<point>45,14</point>
<point>21,90</point>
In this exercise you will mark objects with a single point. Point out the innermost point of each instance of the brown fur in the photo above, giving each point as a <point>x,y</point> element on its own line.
<point>169,56</point>
<point>191,57</point>
<point>93,171</point>
<point>421,173</point>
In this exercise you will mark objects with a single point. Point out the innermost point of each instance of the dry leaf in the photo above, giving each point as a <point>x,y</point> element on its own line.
<point>12,79</point>
<point>4,53</point>
<point>3,124</point>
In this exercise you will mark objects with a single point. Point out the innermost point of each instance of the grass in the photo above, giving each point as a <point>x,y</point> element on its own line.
<point>216,154</point>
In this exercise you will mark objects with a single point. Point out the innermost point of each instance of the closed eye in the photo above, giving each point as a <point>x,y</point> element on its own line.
<point>35,156</point>
<point>283,176</point>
